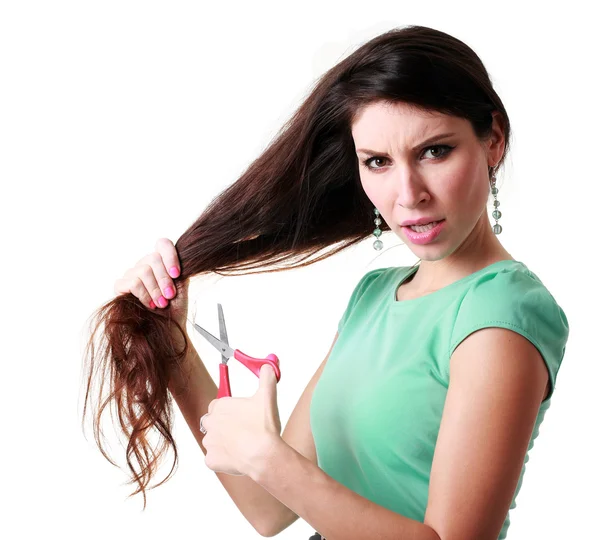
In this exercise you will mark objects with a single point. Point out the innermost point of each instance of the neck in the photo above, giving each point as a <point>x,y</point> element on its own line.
<point>481,249</point>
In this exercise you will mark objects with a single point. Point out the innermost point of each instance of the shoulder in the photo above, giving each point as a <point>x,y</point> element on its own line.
<point>516,299</point>
<point>512,294</point>
<point>376,279</point>
<point>372,286</point>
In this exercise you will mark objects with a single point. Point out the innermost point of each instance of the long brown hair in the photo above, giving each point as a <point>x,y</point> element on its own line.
<point>300,196</point>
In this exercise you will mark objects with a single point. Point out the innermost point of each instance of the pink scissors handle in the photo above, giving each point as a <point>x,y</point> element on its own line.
<point>253,364</point>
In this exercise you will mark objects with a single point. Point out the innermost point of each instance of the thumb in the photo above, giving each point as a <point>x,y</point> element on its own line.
<point>268,379</point>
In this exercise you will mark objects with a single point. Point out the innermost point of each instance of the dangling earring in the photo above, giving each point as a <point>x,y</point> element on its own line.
<point>378,244</point>
<point>496,214</point>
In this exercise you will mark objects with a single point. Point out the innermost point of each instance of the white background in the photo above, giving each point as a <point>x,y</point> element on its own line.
<point>121,120</point>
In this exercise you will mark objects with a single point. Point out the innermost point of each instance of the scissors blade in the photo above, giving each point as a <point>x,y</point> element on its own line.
<point>222,330</point>
<point>226,350</point>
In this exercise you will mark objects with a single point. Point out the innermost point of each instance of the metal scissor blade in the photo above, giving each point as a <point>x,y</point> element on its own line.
<point>222,330</point>
<point>224,348</point>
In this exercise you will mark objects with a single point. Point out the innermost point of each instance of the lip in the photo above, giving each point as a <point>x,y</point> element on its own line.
<point>424,237</point>
<point>420,221</point>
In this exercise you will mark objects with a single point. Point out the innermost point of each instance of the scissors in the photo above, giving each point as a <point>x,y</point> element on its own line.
<point>253,364</point>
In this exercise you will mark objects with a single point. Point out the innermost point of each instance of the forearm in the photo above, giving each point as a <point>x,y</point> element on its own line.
<point>331,508</point>
<point>193,389</point>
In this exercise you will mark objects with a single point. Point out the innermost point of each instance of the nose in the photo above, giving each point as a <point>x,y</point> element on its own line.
<point>409,188</point>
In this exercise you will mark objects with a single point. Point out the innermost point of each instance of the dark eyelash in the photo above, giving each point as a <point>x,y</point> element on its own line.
<point>447,149</point>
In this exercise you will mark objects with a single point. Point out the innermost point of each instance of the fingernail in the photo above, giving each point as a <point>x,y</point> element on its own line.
<point>162,302</point>
<point>152,304</point>
<point>169,292</point>
<point>174,272</point>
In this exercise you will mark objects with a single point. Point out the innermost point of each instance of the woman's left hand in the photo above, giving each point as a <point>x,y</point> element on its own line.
<point>240,432</point>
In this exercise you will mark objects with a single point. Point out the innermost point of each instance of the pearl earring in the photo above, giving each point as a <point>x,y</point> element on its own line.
<point>378,244</point>
<point>496,214</point>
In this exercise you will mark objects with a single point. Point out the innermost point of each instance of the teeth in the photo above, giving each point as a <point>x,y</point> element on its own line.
<point>423,228</point>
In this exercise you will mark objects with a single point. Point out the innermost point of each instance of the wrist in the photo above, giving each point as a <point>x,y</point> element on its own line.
<point>274,446</point>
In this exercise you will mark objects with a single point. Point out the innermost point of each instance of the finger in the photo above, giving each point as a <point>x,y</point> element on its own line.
<point>154,275</point>
<point>138,288</point>
<point>122,285</point>
<point>267,376</point>
<point>203,422</point>
<point>148,280</point>
<point>212,405</point>
<point>130,283</point>
<point>170,257</point>
<point>141,281</point>
<point>267,371</point>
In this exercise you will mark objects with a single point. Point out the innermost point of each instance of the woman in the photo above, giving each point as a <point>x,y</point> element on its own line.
<point>418,422</point>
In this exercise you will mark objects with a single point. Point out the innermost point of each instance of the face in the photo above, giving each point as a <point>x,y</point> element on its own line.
<point>446,178</point>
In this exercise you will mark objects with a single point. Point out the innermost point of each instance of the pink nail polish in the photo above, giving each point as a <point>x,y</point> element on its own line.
<point>174,272</point>
<point>162,302</point>
<point>169,292</point>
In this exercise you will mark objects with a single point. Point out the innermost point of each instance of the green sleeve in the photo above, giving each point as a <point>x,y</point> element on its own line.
<point>520,302</point>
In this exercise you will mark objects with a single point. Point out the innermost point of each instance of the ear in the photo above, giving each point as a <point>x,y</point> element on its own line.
<point>497,140</point>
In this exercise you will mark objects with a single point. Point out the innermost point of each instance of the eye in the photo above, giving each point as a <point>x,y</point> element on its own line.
<point>446,150</point>
<point>367,161</point>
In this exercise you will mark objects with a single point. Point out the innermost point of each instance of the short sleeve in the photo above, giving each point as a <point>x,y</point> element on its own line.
<point>517,300</point>
<point>360,288</point>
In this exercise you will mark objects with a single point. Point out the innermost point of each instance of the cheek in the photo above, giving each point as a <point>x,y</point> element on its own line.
<point>466,187</point>
<point>373,192</point>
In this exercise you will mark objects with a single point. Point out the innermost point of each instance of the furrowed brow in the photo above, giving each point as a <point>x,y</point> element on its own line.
<point>424,143</point>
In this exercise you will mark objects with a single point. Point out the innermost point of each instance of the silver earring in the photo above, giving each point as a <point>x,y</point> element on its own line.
<point>496,214</point>
<point>378,244</point>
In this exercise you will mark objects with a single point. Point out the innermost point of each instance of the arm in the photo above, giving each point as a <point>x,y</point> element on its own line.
<point>498,381</point>
<point>337,512</point>
<point>193,389</point>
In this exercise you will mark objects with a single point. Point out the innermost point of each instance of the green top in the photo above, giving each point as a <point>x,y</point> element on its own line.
<point>376,410</point>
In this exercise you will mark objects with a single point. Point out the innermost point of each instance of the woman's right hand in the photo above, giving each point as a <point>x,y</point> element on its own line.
<point>150,280</point>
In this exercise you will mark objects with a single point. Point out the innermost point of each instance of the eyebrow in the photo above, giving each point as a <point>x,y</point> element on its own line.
<point>426,141</point>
